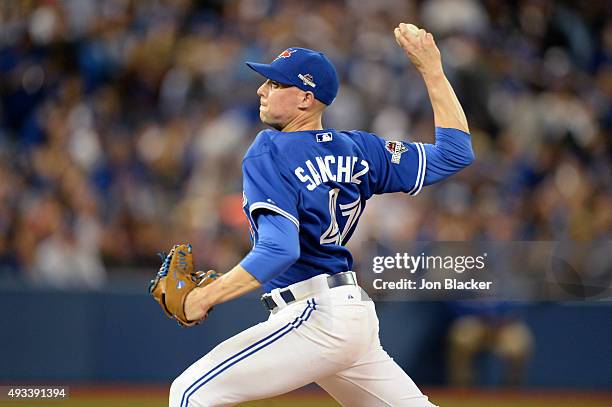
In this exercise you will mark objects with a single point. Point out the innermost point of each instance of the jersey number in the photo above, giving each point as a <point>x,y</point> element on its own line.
<point>351,211</point>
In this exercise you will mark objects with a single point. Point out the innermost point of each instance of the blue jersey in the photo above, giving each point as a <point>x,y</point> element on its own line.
<point>320,180</point>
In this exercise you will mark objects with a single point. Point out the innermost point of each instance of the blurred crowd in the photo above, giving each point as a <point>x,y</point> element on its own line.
<point>123,123</point>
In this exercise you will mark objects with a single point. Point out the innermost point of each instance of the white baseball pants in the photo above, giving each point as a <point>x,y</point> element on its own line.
<point>329,337</point>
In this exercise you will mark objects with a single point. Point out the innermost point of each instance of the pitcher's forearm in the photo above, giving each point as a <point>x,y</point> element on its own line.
<point>446,107</point>
<point>232,284</point>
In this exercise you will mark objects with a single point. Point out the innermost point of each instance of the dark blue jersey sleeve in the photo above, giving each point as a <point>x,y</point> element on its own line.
<point>398,166</point>
<point>277,248</point>
<point>267,187</point>
<point>451,153</point>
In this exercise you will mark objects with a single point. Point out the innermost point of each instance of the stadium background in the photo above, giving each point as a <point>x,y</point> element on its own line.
<point>122,128</point>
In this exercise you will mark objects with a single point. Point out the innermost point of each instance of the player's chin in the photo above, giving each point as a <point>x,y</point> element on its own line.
<point>265,120</point>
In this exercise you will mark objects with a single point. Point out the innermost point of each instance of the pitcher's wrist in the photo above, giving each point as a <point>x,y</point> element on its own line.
<point>432,75</point>
<point>195,306</point>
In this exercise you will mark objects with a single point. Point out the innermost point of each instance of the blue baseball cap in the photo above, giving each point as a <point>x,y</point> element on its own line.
<point>307,69</point>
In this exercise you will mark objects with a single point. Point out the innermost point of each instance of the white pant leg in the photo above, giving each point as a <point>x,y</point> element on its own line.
<point>266,360</point>
<point>334,343</point>
<point>375,380</point>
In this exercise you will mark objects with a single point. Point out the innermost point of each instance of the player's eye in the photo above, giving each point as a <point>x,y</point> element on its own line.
<point>275,84</point>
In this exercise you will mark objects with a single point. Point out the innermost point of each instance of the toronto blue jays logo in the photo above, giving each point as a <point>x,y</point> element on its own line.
<point>396,148</point>
<point>285,54</point>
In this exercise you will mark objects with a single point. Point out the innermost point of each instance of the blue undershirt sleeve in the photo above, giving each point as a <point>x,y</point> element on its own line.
<point>276,249</point>
<point>452,152</point>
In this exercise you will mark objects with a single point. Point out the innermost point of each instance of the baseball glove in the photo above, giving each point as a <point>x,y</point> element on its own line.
<point>175,280</point>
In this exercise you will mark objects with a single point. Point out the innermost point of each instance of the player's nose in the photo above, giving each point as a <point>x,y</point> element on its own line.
<point>260,91</point>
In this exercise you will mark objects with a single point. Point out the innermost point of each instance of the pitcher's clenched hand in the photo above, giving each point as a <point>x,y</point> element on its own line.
<point>420,48</point>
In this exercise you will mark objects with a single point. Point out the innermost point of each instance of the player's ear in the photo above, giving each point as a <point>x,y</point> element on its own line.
<point>307,100</point>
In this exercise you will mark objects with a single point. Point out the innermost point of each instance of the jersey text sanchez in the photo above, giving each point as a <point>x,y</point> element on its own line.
<point>320,180</point>
<point>342,169</point>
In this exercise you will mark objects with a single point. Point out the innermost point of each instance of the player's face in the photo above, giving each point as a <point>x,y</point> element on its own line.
<point>278,103</point>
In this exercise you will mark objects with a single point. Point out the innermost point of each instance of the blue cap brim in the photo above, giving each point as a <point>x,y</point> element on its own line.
<point>268,71</point>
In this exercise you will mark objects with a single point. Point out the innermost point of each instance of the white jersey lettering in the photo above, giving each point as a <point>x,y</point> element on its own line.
<point>313,172</point>
<point>343,169</point>
<point>324,169</point>
<point>299,172</point>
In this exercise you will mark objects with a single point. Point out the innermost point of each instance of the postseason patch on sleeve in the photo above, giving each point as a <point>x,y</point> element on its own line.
<point>396,148</point>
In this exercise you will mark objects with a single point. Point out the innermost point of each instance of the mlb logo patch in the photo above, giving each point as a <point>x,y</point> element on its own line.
<point>396,148</point>
<point>324,137</point>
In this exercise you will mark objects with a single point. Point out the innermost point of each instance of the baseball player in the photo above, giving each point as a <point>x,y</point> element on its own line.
<point>305,187</point>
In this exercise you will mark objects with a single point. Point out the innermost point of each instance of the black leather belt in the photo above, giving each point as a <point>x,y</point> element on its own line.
<point>335,280</point>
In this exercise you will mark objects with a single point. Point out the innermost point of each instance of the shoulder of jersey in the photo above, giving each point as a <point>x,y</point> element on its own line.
<point>356,134</point>
<point>267,140</point>
<point>261,144</point>
<point>359,136</point>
